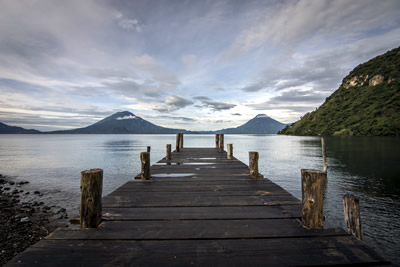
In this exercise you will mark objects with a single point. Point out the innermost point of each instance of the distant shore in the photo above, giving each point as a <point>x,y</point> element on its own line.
<point>23,223</point>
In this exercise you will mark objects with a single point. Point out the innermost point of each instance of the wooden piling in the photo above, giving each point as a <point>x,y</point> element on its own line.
<point>180,140</point>
<point>351,205</point>
<point>221,143</point>
<point>324,154</point>
<point>178,137</point>
<point>168,155</point>
<point>148,149</point>
<point>217,141</point>
<point>230,151</point>
<point>253,165</point>
<point>145,162</point>
<point>91,190</point>
<point>312,186</point>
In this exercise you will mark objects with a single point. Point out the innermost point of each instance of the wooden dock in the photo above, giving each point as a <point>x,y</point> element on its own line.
<point>199,209</point>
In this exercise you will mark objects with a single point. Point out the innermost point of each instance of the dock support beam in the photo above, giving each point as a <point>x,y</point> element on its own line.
<point>312,186</point>
<point>180,140</point>
<point>91,190</point>
<point>217,141</point>
<point>352,218</point>
<point>148,149</point>
<point>168,155</point>
<point>324,154</point>
<point>145,162</point>
<point>230,151</point>
<point>221,142</point>
<point>253,165</point>
<point>178,137</point>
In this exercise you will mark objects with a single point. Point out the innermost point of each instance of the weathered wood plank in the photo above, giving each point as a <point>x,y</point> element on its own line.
<point>195,229</point>
<point>203,213</point>
<point>258,252</point>
<point>197,201</point>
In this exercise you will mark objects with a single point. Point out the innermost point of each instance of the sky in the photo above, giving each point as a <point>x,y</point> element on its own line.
<point>196,65</point>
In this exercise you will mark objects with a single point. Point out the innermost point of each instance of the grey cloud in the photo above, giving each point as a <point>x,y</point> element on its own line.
<point>173,103</point>
<point>184,119</point>
<point>215,105</point>
<point>296,101</point>
<point>236,114</point>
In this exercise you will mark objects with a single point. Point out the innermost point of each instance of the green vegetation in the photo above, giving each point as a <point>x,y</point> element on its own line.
<point>366,104</point>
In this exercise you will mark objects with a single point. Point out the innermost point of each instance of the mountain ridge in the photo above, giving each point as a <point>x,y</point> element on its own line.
<point>125,122</point>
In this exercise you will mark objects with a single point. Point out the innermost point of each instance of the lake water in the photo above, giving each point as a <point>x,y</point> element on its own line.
<point>367,167</point>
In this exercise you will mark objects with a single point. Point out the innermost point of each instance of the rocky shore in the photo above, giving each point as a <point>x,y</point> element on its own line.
<point>24,218</point>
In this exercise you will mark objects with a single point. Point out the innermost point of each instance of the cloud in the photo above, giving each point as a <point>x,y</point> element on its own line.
<point>236,114</point>
<point>130,24</point>
<point>189,60</point>
<point>288,24</point>
<point>216,106</point>
<point>173,103</point>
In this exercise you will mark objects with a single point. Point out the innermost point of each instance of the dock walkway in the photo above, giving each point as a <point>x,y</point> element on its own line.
<point>199,209</point>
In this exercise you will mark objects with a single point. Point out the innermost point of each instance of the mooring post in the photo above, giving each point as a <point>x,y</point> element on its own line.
<point>230,151</point>
<point>181,141</point>
<point>217,141</point>
<point>312,186</point>
<point>221,143</point>
<point>351,205</point>
<point>253,165</point>
<point>168,156</point>
<point>148,149</point>
<point>145,162</point>
<point>178,136</point>
<point>324,154</point>
<point>91,190</point>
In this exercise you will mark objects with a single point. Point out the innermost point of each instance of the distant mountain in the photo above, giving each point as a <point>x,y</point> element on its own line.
<point>260,124</point>
<point>367,103</point>
<point>7,129</point>
<point>122,123</point>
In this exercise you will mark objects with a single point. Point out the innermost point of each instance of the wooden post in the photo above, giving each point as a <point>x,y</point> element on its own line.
<point>352,217</point>
<point>181,141</point>
<point>217,141</point>
<point>221,143</point>
<point>145,160</point>
<point>168,156</point>
<point>253,165</point>
<point>178,136</point>
<point>91,190</point>
<point>230,151</point>
<point>312,186</point>
<point>324,154</point>
<point>148,149</point>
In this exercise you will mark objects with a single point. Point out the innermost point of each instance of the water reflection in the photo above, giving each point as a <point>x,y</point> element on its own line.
<point>373,163</point>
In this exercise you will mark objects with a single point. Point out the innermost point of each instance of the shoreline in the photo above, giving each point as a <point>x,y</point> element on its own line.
<point>24,218</point>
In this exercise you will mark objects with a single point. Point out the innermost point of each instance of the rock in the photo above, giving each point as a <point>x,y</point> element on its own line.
<point>27,193</point>
<point>62,210</point>
<point>46,208</point>
<point>25,219</point>
<point>11,183</point>
<point>36,193</point>
<point>377,79</point>
<point>6,188</point>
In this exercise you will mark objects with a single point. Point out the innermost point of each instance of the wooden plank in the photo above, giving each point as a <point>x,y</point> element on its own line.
<point>202,213</point>
<point>194,229</point>
<point>204,193</point>
<point>196,201</point>
<point>259,252</point>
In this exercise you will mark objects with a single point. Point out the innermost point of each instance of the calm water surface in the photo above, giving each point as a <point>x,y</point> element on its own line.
<point>367,167</point>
